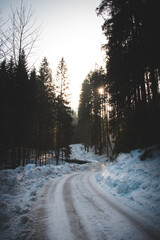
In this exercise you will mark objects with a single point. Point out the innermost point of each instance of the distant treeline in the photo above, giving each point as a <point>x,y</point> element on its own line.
<point>35,117</point>
<point>131,80</point>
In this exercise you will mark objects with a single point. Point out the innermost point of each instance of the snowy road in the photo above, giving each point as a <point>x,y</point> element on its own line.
<point>75,207</point>
<point>117,200</point>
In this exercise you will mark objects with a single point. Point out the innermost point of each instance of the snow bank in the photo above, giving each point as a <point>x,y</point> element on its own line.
<point>135,182</point>
<point>79,153</point>
<point>19,189</point>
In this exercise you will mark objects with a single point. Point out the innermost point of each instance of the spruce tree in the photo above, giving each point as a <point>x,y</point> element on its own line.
<point>46,110</point>
<point>63,127</point>
<point>132,71</point>
<point>92,111</point>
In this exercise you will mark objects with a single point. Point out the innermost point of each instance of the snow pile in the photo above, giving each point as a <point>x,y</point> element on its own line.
<point>19,189</point>
<point>134,181</point>
<point>79,153</point>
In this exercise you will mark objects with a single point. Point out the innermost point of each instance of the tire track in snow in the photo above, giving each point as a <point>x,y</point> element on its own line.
<point>149,231</point>
<point>74,219</point>
<point>57,219</point>
<point>93,216</point>
<point>78,209</point>
<point>90,199</point>
<point>102,221</point>
<point>118,215</point>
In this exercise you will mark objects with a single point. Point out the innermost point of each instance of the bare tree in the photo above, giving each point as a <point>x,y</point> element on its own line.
<point>24,32</point>
<point>3,39</point>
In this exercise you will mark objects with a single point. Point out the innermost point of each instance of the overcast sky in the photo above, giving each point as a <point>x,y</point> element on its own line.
<point>70,29</point>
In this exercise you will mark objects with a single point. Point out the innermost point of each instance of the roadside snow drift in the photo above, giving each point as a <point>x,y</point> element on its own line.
<point>135,182</point>
<point>18,194</point>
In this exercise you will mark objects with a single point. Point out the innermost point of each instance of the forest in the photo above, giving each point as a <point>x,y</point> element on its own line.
<point>36,119</point>
<point>119,106</point>
<point>126,114</point>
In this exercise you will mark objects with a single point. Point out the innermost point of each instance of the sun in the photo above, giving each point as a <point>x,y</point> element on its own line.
<point>101,91</point>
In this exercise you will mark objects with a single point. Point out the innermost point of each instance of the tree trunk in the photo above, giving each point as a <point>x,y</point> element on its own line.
<point>148,88</point>
<point>154,84</point>
<point>143,89</point>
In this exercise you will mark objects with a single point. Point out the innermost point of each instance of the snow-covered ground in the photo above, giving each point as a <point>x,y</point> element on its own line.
<point>19,189</point>
<point>84,210</point>
<point>79,153</point>
<point>134,182</point>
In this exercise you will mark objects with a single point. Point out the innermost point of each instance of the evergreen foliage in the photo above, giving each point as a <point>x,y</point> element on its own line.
<point>91,112</point>
<point>132,50</point>
<point>63,115</point>
<point>29,111</point>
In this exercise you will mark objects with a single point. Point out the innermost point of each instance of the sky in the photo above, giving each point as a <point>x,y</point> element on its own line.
<point>69,29</point>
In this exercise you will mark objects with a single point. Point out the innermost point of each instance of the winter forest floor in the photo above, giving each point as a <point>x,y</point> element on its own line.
<point>97,200</point>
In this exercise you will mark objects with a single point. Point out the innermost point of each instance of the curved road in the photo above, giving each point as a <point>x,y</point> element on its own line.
<point>76,208</point>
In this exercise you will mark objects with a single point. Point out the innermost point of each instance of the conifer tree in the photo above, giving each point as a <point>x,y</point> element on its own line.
<point>92,113</point>
<point>132,70</point>
<point>63,127</point>
<point>4,112</point>
<point>46,106</point>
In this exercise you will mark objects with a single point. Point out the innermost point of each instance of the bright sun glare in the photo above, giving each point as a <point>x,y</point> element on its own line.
<point>101,91</point>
